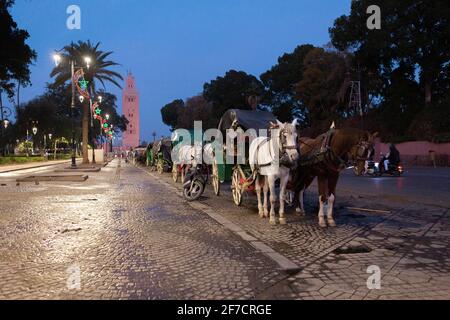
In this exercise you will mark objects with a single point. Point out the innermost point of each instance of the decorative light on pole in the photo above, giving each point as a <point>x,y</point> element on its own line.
<point>34,130</point>
<point>5,123</point>
<point>81,98</point>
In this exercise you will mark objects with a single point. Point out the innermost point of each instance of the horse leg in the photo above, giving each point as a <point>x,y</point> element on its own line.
<point>306,182</point>
<point>284,178</point>
<point>322,183</point>
<point>258,193</point>
<point>266,195</point>
<point>332,182</point>
<point>301,208</point>
<point>273,199</point>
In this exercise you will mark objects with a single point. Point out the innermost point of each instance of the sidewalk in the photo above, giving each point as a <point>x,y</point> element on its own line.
<point>31,165</point>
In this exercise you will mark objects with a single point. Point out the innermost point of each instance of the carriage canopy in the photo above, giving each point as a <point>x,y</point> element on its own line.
<point>246,119</point>
<point>164,146</point>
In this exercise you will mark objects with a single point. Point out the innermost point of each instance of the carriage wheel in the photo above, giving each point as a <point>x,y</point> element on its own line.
<point>236,187</point>
<point>215,178</point>
<point>160,167</point>
<point>175,173</point>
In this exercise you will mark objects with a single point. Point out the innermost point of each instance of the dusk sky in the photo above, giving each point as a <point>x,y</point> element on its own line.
<point>174,47</point>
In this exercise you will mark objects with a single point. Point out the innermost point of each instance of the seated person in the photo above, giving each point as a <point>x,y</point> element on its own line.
<point>393,157</point>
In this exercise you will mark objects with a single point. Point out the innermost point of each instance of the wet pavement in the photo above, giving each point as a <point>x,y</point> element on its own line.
<point>126,233</point>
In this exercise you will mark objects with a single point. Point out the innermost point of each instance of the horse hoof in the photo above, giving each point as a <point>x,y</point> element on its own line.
<point>261,215</point>
<point>300,212</point>
<point>322,224</point>
<point>331,223</point>
<point>273,222</point>
<point>283,221</point>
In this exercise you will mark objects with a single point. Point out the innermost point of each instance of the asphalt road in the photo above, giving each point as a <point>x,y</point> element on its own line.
<point>422,185</point>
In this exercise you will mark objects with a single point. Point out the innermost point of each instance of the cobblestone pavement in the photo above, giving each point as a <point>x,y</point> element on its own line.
<point>132,237</point>
<point>409,245</point>
<point>129,238</point>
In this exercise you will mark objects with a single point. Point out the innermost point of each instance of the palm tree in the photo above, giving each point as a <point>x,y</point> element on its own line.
<point>98,71</point>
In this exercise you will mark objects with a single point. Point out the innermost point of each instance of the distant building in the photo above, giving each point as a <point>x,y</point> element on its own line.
<point>130,109</point>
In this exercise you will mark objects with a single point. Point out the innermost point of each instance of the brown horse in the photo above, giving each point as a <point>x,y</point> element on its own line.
<point>324,157</point>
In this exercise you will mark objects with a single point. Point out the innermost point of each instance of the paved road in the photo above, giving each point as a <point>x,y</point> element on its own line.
<point>126,233</point>
<point>423,185</point>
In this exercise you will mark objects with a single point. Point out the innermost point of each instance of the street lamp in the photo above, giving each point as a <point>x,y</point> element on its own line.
<point>6,123</point>
<point>34,129</point>
<point>58,59</point>
<point>50,136</point>
<point>88,61</point>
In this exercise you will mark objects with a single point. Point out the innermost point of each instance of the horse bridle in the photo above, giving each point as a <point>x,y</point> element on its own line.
<point>283,142</point>
<point>363,151</point>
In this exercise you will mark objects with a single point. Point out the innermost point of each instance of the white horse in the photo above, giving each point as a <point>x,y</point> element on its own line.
<point>272,157</point>
<point>191,156</point>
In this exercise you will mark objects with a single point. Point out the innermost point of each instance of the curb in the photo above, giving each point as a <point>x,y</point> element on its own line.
<point>34,167</point>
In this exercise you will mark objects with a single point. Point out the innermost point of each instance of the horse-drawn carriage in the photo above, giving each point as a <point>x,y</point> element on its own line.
<point>240,175</point>
<point>159,155</point>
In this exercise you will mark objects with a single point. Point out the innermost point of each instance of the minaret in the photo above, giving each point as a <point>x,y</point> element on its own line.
<point>130,109</point>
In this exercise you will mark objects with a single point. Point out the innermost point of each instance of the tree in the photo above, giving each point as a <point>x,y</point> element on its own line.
<point>15,54</point>
<point>169,113</point>
<point>414,32</point>
<point>179,114</point>
<point>322,89</point>
<point>280,81</point>
<point>196,109</point>
<point>231,92</point>
<point>98,71</point>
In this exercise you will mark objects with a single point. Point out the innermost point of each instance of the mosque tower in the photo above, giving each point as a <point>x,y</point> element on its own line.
<point>130,109</point>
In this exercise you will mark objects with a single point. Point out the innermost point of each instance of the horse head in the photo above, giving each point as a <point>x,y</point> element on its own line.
<point>286,139</point>
<point>362,150</point>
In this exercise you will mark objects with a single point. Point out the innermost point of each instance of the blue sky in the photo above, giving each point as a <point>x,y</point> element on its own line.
<point>174,46</point>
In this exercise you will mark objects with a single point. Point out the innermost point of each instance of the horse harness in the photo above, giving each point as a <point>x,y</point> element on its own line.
<point>326,156</point>
<point>284,158</point>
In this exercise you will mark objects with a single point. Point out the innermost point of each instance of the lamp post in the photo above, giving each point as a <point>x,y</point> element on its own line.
<point>5,112</point>
<point>34,130</point>
<point>57,58</point>
<point>96,104</point>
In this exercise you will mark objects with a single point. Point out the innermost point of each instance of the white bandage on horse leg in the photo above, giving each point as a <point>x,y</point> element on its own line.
<point>330,206</point>
<point>322,222</point>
